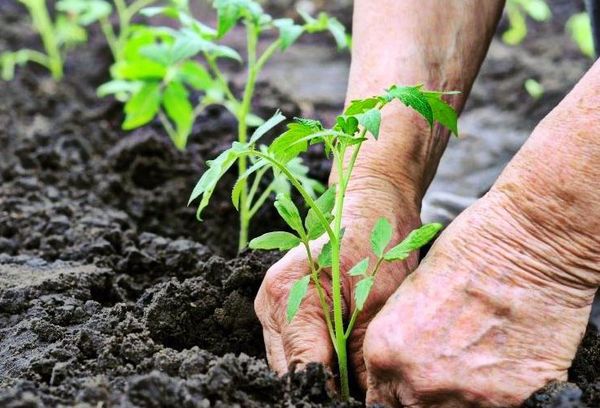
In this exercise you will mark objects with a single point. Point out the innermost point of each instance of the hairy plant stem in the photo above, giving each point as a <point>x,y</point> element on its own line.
<point>43,23</point>
<point>336,282</point>
<point>247,209</point>
<point>242,116</point>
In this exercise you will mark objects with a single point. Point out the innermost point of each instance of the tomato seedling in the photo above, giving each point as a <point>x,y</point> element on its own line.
<point>160,77</point>
<point>58,35</point>
<point>324,215</point>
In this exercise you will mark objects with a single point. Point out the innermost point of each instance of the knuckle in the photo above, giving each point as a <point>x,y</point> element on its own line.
<point>380,349</point>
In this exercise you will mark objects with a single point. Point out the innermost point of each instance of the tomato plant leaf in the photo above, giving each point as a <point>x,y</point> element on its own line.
<point>241,182</point>
<point>288,32</point>
<point>179,110</point>
<point>297,293</point>
<point>442,112</point>
<point>142,106</point>
<point>280,240</point>
<point>371,120</point>
<point>324,258</point>
<point>413,97</point>
<point>325,203</point>
<point>360,269</point>
<point>195,75</point>
<point>415,240</point>
<point>273,121</point>
<point>362,290</point>
<point>290,214</point>
<point>217,167</point>
<point>381,236</point>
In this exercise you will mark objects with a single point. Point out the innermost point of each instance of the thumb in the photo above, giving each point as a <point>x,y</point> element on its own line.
<point>306,338</point>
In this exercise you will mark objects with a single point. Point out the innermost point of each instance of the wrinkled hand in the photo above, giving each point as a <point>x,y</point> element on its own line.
<point>306,338</point>
<point>487,318</point>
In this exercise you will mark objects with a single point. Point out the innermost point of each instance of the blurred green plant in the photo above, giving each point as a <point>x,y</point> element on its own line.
<point>324,216</point>
<point>58,35</point>
<point>101,11</point>
<point>159,77</point>
<point>534,88</point>
<point>517,12</point>
<point>579,28</point>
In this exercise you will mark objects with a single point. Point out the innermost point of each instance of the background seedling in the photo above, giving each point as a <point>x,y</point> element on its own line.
<point>160,77</point>
<point>324,216</point>
<point>58,35</point>
<point>101,10</point>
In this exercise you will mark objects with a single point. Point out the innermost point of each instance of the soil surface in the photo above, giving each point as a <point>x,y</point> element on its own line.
<point>111,294</point>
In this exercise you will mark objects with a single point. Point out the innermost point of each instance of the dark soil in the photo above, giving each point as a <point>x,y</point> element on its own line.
<point>111,294</point>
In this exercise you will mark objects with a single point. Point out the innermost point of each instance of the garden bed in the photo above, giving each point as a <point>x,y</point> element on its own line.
<point>111,294</point>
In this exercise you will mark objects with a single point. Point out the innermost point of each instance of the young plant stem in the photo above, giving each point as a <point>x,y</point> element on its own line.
<point>356,310</point>
<point>125,14</point>
<point>244,109</point>
<point>43,23</point>
<point>314,272</point>
<point>336,283</point>
<point>254,67</point>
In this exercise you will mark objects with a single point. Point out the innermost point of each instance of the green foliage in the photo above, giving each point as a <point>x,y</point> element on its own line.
<point>415,240</point>
<point>360,269</point>
<point>579,28</point>
<point>517,11</point>
<point>381,236</point>
<point>324,214</point>
<point>58,35</point>
<point>534,88</point>
<point>297,293</point>
<point>159,75</point>
<point>280,240</point>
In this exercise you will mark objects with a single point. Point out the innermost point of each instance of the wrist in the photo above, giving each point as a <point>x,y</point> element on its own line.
<point>402,161</point>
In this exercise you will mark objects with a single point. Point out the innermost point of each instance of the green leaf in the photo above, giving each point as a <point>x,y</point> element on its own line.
<point>297,293</point>
<point>194,74</point>
<point>347,125</point>
<point>413,97</point>
<point>537,9</point>
<point>371,120</point>
<point>324,258</point>
<point>361,291</point>
<point>143,106</point>
<point>442,112</point>
<point>289,212</point>
<point>230,11</point>
<point>381,236</point>
<point>359,106</point>
<point>118,86</point>
<point>338,31</point>
<point>227,18</point>
<point>288,32</point>
<point>170,12</point>
<point>360,269</point>
<point>284,147</point>
<point>517,29</point>
<point>180,111</point>
<point>580,29</point>
<point>217,167</point>
<point>415,240</point>
<point>534,88</point>
<point>241,182</point>
<point>325,203</point>
<point>300,171</point>
<point>279,240</point>
<point>276,119</point>
<point>141,69</point>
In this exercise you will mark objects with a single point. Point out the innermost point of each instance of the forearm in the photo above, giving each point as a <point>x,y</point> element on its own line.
<point>554,184</point>
<point>407,42</point>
